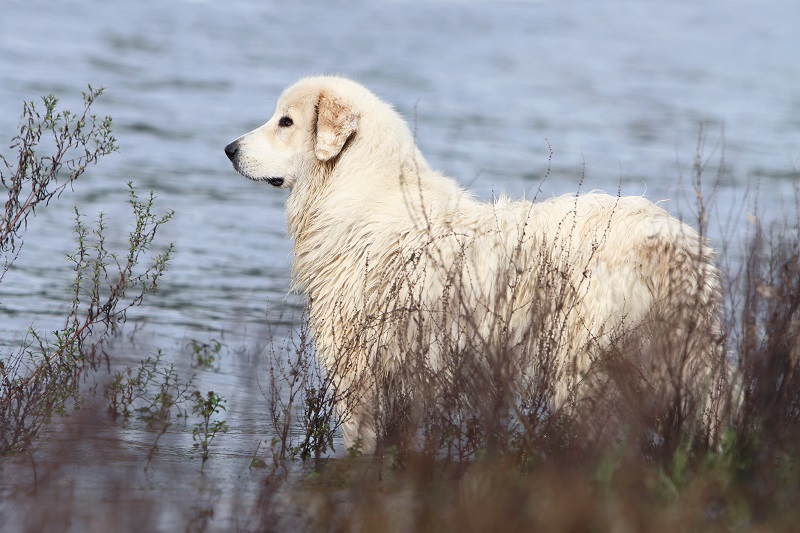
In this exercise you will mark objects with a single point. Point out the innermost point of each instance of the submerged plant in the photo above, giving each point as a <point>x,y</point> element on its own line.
<point>206,355</point>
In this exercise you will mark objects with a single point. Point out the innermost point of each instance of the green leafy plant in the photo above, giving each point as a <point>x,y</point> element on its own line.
<point>205,431</point>
<point>150,392</point>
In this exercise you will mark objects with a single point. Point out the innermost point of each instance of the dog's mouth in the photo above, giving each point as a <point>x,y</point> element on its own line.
<point>275,181</point>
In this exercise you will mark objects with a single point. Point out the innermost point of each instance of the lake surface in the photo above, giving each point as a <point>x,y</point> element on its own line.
<point>618,89</point>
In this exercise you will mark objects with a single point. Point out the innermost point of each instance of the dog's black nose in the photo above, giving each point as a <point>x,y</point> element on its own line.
<point>231,150</point>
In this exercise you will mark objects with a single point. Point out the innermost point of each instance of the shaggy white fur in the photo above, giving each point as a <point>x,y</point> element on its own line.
<point>398,260</point>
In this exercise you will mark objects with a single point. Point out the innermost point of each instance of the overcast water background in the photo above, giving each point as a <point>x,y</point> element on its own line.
<point>620,86</point>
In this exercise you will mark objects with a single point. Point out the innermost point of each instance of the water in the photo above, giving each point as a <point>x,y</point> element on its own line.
<point>620,87</point>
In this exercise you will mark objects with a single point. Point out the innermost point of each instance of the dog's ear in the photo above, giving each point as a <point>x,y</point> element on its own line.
<point>336,122</point>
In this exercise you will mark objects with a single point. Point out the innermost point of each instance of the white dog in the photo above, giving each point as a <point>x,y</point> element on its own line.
<point>397,260</point>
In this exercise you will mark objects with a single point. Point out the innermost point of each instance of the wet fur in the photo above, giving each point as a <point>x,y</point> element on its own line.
<point>383,244</point>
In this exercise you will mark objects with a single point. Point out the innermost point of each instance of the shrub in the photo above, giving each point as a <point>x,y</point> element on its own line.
<point>44,376</point>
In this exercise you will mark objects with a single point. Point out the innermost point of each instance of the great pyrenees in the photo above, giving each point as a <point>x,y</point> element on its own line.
<point>405,272</point>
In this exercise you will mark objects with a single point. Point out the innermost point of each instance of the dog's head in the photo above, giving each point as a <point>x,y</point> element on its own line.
<point>313,121</point>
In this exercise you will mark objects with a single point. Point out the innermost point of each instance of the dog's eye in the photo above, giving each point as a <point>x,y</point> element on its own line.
<point>285,122</point>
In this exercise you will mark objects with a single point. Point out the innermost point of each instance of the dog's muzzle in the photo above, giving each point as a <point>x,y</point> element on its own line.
<point>232,151</point>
